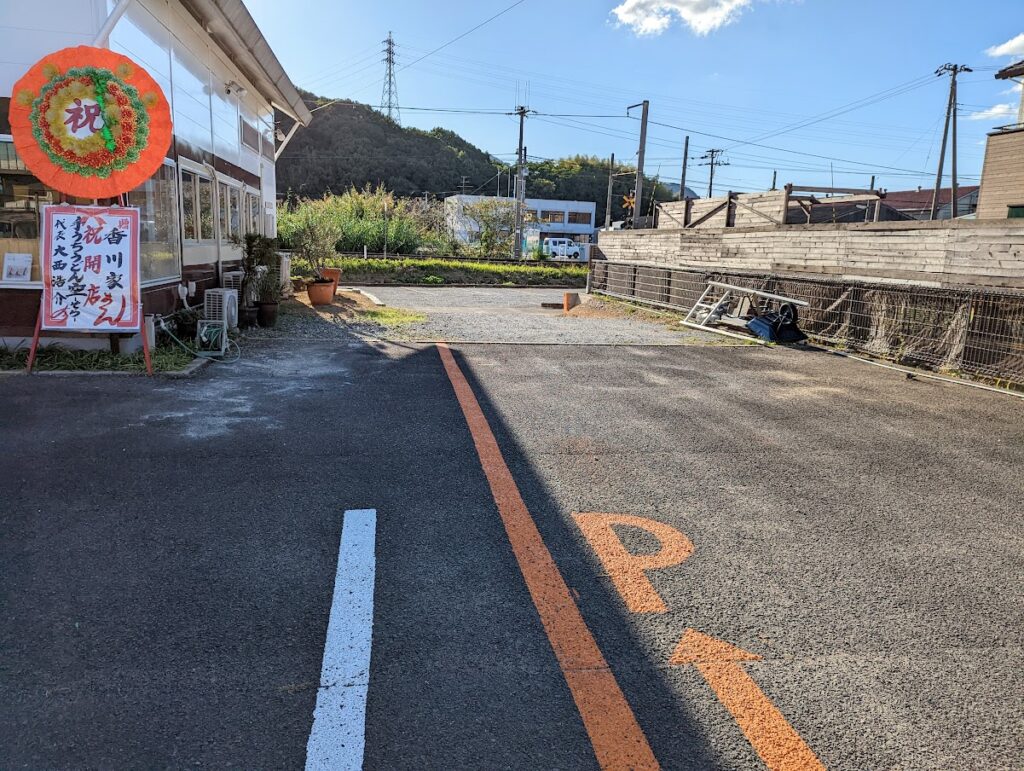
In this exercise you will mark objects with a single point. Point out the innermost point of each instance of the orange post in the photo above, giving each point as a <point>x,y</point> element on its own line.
<point>145,342</point>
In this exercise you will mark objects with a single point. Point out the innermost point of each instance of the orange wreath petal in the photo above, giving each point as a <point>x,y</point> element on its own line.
<point>126,159</point>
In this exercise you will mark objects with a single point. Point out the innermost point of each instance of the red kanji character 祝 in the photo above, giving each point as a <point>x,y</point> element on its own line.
<point>93,234</point>
<point>83,118</point>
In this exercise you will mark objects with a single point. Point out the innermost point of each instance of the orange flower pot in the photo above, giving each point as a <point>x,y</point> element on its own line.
<point>334,274</point>
<point>321,293</point>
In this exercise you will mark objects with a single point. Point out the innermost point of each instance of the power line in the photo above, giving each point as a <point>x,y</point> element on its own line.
<point>445,45</point>
<point>464,34</point>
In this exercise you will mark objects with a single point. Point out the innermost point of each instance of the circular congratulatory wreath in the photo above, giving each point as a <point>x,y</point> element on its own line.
<point>90,122</point>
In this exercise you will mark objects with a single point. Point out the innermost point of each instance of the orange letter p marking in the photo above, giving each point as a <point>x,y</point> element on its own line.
<point>625,569</point>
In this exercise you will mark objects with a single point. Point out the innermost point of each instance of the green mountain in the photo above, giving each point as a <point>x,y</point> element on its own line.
<point>349,144</point>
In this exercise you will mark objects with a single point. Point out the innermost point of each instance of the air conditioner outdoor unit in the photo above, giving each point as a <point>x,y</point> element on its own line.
<point>233,279</point>
<point>221,305</point>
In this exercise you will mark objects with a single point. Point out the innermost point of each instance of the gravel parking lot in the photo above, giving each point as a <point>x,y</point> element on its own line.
<point>505,315</point>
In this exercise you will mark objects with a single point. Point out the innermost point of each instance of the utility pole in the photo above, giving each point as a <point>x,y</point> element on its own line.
<point>464,184</point>
<point>640,160</point>
<point>517,250</point>
<point>775,178</point>
<point>713,160</point>
<point>951,113</point>
<point>686,158</point>
<point>389,97</point>
<point>608,205</point>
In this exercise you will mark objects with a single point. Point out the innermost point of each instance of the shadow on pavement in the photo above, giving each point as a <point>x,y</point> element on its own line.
<point>169,553</point>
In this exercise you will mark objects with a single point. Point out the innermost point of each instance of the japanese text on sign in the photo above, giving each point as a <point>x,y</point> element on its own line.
<point>90,261</point>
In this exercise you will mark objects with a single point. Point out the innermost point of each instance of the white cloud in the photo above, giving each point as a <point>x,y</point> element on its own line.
<point>996,111</point>
<point>1016,88</point>
<point>652,17</point>
<point>1012,47</point>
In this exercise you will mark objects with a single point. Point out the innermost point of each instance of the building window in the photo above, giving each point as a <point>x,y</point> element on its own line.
<point>252,208</point>
<point>250,134</point>
<point>268,145</point>
<point>235,211</point>
<point>557,217</point>
<point>230,206</point>
<point>1015,212</point>
<point>157,199</point>
<point>579,218</point>
<point>225,230</point>
<point>205,207</point>
<point>188,206</point>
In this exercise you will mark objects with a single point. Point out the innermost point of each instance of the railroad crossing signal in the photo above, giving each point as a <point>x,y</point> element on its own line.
<point>629,201</point>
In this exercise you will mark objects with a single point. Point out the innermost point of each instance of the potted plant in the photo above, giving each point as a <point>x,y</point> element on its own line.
<point>251,262</point>
<point>186,321</point>
<point>314,233</point>
<point>269,297</point>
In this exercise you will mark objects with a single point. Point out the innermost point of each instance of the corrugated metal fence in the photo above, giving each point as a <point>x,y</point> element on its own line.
<point>975,332</point>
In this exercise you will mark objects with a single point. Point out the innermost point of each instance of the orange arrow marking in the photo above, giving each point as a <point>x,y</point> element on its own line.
<point>625,569</point>
<point>772,737</point>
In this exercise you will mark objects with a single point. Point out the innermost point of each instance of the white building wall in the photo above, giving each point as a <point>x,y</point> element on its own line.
<point>464,228</point>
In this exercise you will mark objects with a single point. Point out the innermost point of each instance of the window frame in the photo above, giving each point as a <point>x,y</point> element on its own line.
<point>180,245</point>
<point>253,218</point>
<point>1010,208</point>
<point>200,172</point>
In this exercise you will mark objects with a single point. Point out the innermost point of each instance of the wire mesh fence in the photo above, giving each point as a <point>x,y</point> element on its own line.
<point>974,332</point>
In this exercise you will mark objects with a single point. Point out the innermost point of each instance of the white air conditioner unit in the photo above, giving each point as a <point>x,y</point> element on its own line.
<point>232,279</point>
<point>221,305</point>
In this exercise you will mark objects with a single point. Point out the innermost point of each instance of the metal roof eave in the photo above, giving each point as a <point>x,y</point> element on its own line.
<point>1013,71</point>
<point>230,22</point>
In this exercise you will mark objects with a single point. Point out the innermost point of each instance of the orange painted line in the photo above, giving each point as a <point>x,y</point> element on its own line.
<point>774,740</point>
<point>617,739</point>
<point>626,570</point>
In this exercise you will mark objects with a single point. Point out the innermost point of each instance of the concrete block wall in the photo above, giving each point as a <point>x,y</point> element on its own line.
<point>937,254</point>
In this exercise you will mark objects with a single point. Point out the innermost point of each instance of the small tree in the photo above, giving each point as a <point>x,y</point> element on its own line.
<point>314,233</point>
<point>496,219</point>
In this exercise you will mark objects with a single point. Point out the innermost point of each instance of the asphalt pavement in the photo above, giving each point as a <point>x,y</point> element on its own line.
<point>170,549</point>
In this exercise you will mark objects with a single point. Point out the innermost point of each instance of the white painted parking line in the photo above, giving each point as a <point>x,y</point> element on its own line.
<point>338,736</point>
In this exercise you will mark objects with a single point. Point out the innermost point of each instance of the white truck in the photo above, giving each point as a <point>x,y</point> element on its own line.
<point>564,248</point>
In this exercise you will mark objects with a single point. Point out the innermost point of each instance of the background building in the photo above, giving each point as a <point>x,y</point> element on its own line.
<point>552,219</point>
<point>917,204</point>
<point>218,181</point>
<point>1002,176</point>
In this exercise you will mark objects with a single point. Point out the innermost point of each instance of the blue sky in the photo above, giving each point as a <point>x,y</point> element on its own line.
<point>737,69</point>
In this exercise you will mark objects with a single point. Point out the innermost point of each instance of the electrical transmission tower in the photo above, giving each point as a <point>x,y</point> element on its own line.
<point>713,159</point>
<point>389,97</point>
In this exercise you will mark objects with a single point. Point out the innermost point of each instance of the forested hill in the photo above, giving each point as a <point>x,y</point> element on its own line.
<point>351,144</point>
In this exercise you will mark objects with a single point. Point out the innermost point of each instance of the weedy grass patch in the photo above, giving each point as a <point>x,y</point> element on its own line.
<point>53,358</point>
<point>390,317</point>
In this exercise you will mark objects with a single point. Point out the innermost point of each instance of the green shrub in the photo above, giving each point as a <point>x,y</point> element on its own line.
<point>416,270</point>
